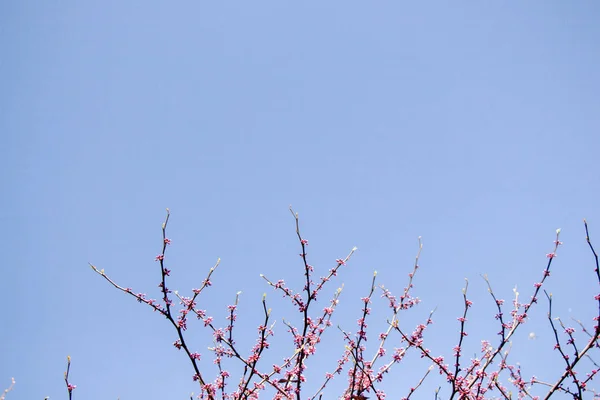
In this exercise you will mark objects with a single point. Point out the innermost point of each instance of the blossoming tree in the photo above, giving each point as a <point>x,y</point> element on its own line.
<point>490,374</point>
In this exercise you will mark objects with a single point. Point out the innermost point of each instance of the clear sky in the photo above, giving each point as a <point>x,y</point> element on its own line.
<point>474,125</point>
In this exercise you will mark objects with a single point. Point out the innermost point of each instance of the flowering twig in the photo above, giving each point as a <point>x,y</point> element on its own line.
<point>569,371</point>
<point>518,319</point>
<point>70,386</point>
<point>414,388</point>
<point>3,395</point>
<point>558,347</point>
<point>306,339</point>
<point>357,354</point>
<point>458,348</point>
<point>180,323</point>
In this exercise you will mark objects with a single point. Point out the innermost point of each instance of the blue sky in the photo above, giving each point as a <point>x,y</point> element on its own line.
<point>474,126</point>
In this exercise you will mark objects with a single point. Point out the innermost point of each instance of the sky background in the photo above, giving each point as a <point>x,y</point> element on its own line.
<point>474,125</point>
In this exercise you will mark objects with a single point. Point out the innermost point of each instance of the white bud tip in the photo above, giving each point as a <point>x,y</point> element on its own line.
<point>558,231</point>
